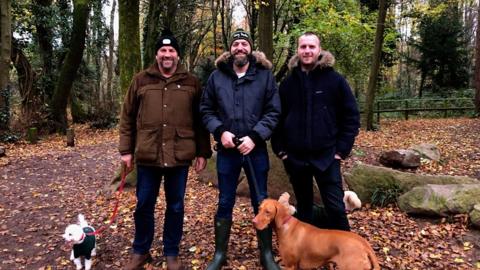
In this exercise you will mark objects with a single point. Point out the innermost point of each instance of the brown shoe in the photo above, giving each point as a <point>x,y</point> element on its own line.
<point>173,263</point>
<point>137,261</point>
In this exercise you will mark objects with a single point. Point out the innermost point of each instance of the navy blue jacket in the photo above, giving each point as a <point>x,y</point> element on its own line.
<point>247,106</point>
<point>319,116</point>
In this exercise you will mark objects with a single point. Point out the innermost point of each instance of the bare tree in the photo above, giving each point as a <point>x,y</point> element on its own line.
<point>374,70</point>
<point>477,64</point>
<point>265,27</point>
<point>70,65</point>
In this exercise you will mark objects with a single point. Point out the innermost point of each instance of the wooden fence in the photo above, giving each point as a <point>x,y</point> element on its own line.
<point>408,107</point>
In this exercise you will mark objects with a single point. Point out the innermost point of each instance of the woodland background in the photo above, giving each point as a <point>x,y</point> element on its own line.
<point>64,62</point>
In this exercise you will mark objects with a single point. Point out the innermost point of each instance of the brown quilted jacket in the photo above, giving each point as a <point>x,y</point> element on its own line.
<point>160,123</point>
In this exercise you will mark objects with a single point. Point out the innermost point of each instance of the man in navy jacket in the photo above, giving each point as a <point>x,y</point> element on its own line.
<point>241,101</point>
<point>317,129</point>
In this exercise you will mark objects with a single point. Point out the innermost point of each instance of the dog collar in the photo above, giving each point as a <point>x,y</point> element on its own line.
<point>287,220</point>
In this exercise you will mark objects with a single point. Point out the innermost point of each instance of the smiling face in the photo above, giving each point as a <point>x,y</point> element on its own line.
<point>167,59</point>
<point>240,50</point>
<point>308,50</point>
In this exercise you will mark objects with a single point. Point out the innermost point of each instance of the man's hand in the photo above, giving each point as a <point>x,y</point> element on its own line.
<point>200,164</point>
<point>247,145</point>
<point>227,139</point>
<point>127,161</point>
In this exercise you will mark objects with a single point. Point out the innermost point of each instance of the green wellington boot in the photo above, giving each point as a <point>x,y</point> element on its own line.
<point>265,245</point>
<point>222,234</point>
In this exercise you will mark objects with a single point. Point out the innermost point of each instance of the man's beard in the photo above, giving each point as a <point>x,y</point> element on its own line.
<point>240,61</point>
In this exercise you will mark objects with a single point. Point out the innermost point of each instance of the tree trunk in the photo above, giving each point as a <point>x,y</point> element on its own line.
<point>226,17</point>
<point>374,70</point>
<point>111,53</point>
<point>5,51</point>
<point>477,65</point>
<point>214,9</point>
<point>129,41</point>
<point>151,32</point>
<point>44,36</point>
<point>70,65</point>
<point>265,28</point>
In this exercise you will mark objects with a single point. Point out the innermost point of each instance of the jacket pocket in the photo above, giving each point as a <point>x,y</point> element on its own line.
<point>184,147</point>
<point>146,145</point>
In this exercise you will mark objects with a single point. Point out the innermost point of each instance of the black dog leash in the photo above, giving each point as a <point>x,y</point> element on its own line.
<point>237,142</point>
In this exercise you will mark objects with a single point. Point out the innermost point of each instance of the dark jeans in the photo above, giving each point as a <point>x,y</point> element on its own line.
<point>329,183</point>
<point>148,185</point>
<point>229,164</point>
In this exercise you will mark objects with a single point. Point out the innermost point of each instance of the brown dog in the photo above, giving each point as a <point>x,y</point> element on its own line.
<point>303,246</point>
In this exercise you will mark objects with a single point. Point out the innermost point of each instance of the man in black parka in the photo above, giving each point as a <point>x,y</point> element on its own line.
<point>317,129</point>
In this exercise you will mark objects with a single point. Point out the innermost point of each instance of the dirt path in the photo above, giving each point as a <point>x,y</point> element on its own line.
<point>43,187</point>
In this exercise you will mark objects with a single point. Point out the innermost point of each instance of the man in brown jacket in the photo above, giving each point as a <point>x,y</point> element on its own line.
<point>160,126</point>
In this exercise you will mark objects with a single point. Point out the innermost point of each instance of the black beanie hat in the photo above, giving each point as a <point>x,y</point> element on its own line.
<point>167,39</point>
<point>241,34</point>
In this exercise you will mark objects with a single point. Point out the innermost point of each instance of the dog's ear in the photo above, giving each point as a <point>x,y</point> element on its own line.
<point>284,198</point>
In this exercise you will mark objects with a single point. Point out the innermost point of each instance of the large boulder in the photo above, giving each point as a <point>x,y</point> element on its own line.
<point>475,216</point>
<point>277,178</point>
<point>400,159</point>
<point>365,180</point>
<point>440,200</point>
<point>427,150</point>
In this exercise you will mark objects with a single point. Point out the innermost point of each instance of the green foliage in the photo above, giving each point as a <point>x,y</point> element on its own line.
<point>345,30</point>
<point>203,70</point>
<point>442,46</point>
<point>385,195</point>
<point>5,95</point>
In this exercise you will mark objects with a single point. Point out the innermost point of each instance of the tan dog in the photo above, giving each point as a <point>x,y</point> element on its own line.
<point>303,246</point>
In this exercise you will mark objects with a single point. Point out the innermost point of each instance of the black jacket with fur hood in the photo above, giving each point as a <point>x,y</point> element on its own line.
<point>246,106</point>
<point>319,113</point>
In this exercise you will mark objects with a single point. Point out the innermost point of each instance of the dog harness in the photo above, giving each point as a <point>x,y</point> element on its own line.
<point>85,248</point>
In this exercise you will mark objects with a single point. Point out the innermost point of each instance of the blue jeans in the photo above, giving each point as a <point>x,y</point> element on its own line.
<point>229,164</point>
<point>148,185</point>
<point>329,183</point>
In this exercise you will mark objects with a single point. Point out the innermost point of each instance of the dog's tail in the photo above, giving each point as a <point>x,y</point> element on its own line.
<point>81,220</point>
<point>351,200</point>
<point>373,259</point>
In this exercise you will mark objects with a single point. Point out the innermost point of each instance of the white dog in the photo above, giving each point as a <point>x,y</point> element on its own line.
<point>351,201</point>
<point>83,240</point>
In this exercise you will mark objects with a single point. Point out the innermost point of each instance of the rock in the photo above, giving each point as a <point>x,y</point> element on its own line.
<point>475,216</point>
<point>400,159</point>
<point>440,200</point>
<point>427,150</point>
<point>2,151</point>
<point>130,180</point>
<point>367,179</point>
<point>277,179</point>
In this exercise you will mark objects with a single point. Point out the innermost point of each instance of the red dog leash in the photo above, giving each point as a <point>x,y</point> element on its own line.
<point>117,202</point>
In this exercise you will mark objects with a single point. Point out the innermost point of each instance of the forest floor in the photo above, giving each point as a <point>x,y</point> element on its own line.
<point>44,187</point>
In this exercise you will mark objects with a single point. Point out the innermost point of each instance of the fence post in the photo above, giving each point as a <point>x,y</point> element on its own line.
<point>406,109</point>
<point>378,112</point>
<point>445,112</point>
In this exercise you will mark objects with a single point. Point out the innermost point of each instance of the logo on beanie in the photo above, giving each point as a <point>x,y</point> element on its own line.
<point>240,35</point>
<point>166,41</point>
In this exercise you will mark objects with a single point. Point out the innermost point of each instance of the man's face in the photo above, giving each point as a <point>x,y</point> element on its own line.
<point>240,50</point>
<point>308,50</point>
<point>167,58</point>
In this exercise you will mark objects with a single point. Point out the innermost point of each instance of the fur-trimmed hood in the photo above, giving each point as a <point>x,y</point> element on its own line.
<point>259,57</point>
<point>326,59</point>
